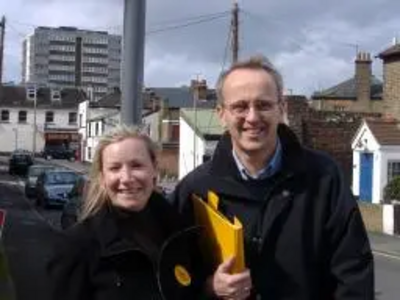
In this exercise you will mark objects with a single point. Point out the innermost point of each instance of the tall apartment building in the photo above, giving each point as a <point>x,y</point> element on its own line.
<point>70,57</point>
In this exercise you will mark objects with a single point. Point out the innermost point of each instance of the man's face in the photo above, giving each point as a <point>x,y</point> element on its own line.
<point>251,110</point>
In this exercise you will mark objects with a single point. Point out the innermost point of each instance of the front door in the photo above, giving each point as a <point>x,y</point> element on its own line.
<point>366,172</point>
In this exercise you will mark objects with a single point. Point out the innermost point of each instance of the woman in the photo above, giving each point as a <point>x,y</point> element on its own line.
<point>129,243</point>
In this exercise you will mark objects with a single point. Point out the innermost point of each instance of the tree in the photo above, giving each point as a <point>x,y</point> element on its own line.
<point>392,190</point>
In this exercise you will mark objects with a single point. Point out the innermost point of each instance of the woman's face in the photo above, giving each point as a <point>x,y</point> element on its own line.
<point>128,173</point>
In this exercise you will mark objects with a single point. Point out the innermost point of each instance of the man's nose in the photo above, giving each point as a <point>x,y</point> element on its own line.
<point>253,115</point>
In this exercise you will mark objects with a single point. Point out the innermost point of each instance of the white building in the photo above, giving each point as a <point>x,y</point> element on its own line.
<point>200,131</point>
<point>98,117</point>
<point>376,158</point>
<point>70,57</point>
<point>54,112</point>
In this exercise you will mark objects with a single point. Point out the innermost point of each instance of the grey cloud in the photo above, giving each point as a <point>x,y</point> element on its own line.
<point>313,42</point>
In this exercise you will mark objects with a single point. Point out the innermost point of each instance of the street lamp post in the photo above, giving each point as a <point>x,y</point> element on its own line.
<point>133,61</point>
<point>15,138</point>
<point>34,127</point>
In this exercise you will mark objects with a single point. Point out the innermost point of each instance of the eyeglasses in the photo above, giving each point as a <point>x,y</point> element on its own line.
<point>242,108</point>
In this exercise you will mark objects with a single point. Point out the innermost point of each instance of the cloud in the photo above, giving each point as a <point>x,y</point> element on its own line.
<point>312,43</point>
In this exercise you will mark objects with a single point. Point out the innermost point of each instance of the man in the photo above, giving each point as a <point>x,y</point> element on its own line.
<point>304,236</point>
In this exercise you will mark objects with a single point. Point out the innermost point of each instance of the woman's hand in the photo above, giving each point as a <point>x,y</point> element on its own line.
<point>225,285</point>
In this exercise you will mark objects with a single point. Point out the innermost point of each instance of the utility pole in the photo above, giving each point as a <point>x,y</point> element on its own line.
<point>133,61</point>
<point>2,34</point>
<point>235,32</point>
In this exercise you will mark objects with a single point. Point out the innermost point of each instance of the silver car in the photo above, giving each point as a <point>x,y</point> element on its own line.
<point>53,187</point>
<point>32,176</point>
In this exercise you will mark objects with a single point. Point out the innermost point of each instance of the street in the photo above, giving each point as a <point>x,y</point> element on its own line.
<point>387,274</point>
<point>27,238</point>
<point>29,232</point>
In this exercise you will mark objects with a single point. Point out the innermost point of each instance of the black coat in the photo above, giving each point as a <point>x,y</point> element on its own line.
<point>95,260</point>
<point>304,235</point>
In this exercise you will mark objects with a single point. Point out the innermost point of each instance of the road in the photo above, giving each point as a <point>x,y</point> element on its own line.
<point>387,274</point>
<point>29,233</point>
<point>27,239</point>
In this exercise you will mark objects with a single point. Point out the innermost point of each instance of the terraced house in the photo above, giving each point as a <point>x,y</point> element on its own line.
<point>364,92</point>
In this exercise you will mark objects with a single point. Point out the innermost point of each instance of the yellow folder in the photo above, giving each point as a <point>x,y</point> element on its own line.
<point>222,238</point>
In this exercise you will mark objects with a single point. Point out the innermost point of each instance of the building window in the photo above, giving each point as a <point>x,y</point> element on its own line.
<point>72,118</point>
<point>80,120</point>
<point>22,115</point>
<point>339,108</point>
<point>96,129</point>
<point>5,116</point>
<point>49,117</point>
<point>393,170</point>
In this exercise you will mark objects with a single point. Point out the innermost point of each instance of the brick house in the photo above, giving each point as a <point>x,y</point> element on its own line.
<point>364,92</point>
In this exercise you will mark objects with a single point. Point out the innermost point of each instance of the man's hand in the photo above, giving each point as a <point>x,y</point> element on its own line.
<point>225,285</point>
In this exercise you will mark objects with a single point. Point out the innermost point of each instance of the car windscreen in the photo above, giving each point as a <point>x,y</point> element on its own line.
<point>20,157</point>
<point>34,172</point>
<point>61,178</point>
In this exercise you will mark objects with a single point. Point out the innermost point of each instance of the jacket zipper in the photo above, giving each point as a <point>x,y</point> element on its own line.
<point>258,239</point>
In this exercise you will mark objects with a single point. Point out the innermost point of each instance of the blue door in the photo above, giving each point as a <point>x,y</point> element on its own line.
<point>366,169</point>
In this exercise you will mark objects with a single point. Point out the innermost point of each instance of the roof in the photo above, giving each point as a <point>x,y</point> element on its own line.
<point>390,52</point>
<point>15,96</point>
<point>175,97</point>
<point>347,90</point>
<point>385,132</point>
<point>204,121</point>
<point>116,114</point>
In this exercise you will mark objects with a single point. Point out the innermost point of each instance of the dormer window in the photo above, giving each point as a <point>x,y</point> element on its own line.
<point>31,93</point>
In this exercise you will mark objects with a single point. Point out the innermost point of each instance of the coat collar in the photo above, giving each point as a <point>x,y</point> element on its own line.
<point>112,242</point>
<point>223,163</point>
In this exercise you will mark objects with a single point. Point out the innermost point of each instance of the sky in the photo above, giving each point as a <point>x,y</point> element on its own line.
<point>313,43</point>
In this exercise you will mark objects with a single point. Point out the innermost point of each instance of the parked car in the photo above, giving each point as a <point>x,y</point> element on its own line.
<point>19,163</point>
<point>72,207</point>
<point>58,152</point>
<point>53,187</point>
<point>33,173</point>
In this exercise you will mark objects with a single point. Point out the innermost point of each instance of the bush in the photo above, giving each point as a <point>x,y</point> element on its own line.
<point>392,190</point>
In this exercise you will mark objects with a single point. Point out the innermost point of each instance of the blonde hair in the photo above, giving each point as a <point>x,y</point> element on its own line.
<point>96,197</point>
<point>257,62</point>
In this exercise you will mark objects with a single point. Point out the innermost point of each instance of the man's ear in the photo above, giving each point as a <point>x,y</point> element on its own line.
<point>283,112</point>
<point>221,115</point>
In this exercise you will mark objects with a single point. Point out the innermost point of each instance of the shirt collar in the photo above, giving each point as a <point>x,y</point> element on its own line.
<point>271,168</point>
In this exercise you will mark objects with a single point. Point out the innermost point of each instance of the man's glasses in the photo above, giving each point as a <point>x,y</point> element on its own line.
<point>242,108</point>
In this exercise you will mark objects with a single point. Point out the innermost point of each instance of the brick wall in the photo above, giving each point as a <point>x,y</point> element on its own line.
<point>168,161</point>
<point>372,215</point>
<point>391,86</point>
<point>328,131</point>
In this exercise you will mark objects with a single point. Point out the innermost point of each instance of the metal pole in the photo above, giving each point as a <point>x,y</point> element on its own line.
<point>15,138</point>
<point>2,34</point>
<point>34,126</point>
<point>133,61</point>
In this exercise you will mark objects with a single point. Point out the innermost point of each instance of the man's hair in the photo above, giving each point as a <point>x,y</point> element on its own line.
<point>257,62</point>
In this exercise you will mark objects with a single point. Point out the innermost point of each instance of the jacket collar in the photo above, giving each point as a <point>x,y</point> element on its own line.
<point>112,242</point>
<point>223,163</point>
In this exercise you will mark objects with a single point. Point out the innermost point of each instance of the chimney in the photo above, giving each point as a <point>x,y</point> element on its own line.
<point>363,76</point>
<point>199,89</point>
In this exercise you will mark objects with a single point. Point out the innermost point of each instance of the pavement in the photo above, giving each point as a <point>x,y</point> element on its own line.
<point>384,244</point>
